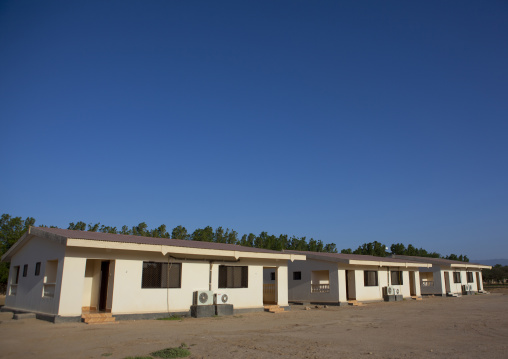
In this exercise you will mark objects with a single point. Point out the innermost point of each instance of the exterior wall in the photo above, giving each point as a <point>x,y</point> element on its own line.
<point>29,290</point>
<point>439,287</point>
<point>300,290</point>
<point>127,297</point>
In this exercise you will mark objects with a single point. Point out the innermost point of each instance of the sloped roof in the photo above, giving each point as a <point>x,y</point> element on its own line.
<point>123,238</point>
<point>360,259</point>
<point>80,238</point>
<point>441,261</point>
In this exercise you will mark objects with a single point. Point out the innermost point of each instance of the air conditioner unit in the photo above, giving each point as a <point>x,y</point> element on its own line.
<point>396,291</point>
<point>390,290</point>
<point>203,297</point>
<point>220,298</point>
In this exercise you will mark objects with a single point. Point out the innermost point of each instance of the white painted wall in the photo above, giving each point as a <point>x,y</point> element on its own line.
<point>439,280</point>
<point>29,290</point>
<point>128,297</point>
<point>300,290</point>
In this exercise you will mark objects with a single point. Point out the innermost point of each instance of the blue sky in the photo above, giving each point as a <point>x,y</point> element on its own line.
<point>348,123</point>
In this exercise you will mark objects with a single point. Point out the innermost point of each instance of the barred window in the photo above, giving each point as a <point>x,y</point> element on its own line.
<point>161,275</point>
<point>470,277</point>
<point>233,277</point>
<point>370,278</point>
<point>456,277</point>
<point>397,278</point>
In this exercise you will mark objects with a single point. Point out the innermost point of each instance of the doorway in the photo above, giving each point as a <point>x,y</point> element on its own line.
<point>103,293</point>
<point>350,285</point>
<point>412,284</point>
<point>447,282</point>
<point>478,282</point>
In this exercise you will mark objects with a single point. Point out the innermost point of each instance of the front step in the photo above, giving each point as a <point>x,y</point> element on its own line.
<point>416,298</point>
<point>97,318</point>
<point>273,309</point>
<point>456,295</point>
<point>355,303</point>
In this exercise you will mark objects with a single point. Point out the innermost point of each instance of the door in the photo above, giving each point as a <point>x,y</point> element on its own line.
<point>350,285</point>
<point>447,282</point>
<point>412,284</point>
<point>103,293</point>
<point>478,282</point>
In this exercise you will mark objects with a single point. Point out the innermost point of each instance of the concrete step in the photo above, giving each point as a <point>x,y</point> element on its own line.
<point>96,318</point>
<point>355,303</point>
<point>23,316</point>
<point>273,309</point>
<point>416,298</point>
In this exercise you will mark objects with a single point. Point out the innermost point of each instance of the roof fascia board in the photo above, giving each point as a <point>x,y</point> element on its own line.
<point>88,243</point>
<point>390,264</point>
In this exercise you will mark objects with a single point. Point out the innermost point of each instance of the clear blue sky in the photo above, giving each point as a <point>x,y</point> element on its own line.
<point>348,123</point>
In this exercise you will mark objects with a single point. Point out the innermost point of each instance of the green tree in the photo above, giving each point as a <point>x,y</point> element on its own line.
<point>331,248</point>
<point>398,248</point>
<point>93,227</point>
<point>140,229</point>
<point>11,229</point>
<point>79,226</point>
<point>179,232</point>
<point>125,230</point>
<point>203,235</point>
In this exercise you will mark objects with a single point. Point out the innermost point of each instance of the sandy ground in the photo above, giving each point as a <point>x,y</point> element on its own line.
<point>466,327</point>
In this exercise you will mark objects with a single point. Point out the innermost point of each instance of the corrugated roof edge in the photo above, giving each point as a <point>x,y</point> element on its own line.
<point>123,238</point>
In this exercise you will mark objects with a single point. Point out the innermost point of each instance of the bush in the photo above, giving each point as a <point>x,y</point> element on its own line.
<point>171,353</point>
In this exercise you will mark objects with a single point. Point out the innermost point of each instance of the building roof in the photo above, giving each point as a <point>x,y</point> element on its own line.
<point>76,238</point>
<point>360,259</point>
<point>443,262</point>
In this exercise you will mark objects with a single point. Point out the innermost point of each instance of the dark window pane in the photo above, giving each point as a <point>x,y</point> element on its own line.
<point>233,277</point>
<point>370,278</point>
<point>297,275</point>
<point>396,277</point>
<point>37,268</point>
<point>272,276</point>
<point>25,270</point>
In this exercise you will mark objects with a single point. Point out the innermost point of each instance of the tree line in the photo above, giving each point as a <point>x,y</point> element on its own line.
<point>380,250</point>
<point>12,228</point>
<point>498,274</point>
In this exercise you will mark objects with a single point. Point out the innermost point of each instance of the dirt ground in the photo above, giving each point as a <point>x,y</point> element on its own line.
<point>466,327</point>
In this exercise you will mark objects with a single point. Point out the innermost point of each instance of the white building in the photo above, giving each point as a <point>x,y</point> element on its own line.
<point>59,273</point>
<point>338,278</point>
<point>448,277</point>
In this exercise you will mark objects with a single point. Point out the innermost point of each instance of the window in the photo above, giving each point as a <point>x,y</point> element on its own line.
<point>370,278</point>
<point>13,288</point>
<point>396,277</point>
<point>15,275</point>
<point>37,268</point>
<point>470,277</point>
<point>456,277</point>
<point>297,275</point>
<point>272,276</point>
<point>233,277</point>
<point>161,275</point>
<point>25,270</point>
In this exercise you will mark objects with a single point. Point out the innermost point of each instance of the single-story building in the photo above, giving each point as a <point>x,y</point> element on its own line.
<point>58,274</point>
<point>338,278</point>
<point>448,277</point>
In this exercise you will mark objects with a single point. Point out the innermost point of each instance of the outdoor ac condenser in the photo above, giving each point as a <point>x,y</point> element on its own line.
<point>221,298</point>
<point>203,297</point>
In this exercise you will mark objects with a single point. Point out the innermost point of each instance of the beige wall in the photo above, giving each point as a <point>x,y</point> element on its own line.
<point>29,294</point>
<point>127,296</point>
<point>300,290</point>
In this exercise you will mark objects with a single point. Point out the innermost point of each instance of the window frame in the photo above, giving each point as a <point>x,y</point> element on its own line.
<point>37,269</point>
<point>456,277</point>
<point>470,277</point>
<point>366,278</point>
<point>149,282</point>
<point>399,276</point>
<point>230,280</point>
